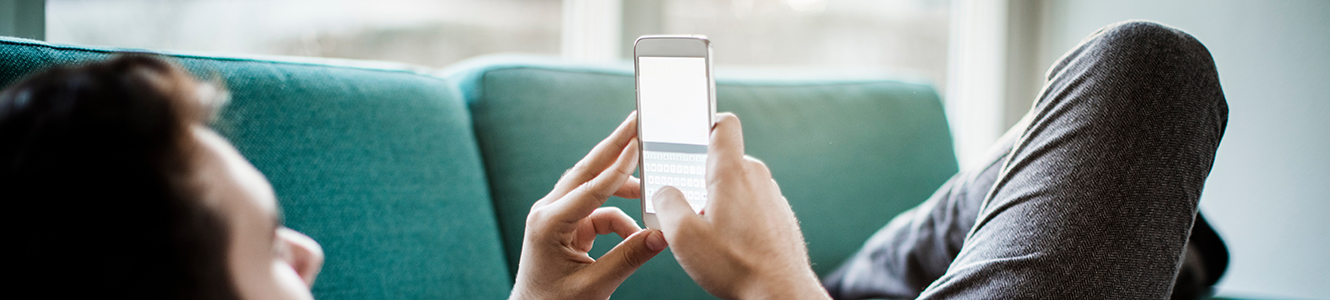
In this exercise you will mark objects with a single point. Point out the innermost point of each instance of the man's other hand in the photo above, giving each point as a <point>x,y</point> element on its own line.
<point>562,226</point>
<point>747,243</point>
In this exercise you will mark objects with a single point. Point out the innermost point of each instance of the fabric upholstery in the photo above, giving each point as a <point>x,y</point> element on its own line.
<point>382,166</point>
<point>379,166</point>
<point>849,153</point>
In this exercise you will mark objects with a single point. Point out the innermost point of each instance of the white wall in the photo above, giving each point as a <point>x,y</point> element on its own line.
<point>1269,192</point>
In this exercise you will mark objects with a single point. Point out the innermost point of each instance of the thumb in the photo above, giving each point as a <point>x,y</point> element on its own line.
<point>624,259</point>
<point>674,212</point>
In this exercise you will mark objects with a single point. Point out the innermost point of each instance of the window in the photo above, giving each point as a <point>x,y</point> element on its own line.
<point>900,35</point>
<point>907,36</point>
<point>428,33</point>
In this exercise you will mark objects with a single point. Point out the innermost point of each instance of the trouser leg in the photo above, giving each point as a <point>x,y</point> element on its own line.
<point>915,248</point>
<point>1094,199</point>
<point>1098,196</point>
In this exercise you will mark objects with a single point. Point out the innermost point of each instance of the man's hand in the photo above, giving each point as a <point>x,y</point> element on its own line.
<point>747,244</point>
<point>562,226</point>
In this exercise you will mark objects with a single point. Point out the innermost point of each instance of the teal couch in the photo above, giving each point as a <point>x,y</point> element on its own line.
<point>418,183</point>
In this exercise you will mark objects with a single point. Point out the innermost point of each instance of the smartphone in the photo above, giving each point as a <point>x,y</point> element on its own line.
<point>676,107</point>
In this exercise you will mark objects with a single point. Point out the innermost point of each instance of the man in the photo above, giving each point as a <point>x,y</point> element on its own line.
<point>1094,199</point>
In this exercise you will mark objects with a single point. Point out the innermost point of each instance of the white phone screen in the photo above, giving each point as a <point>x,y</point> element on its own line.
<point>676,126</point>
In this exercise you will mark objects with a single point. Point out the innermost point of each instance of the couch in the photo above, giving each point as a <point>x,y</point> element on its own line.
<point>417,182</point>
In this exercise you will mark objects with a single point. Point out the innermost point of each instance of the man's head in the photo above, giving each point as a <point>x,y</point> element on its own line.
<point>116,187</point>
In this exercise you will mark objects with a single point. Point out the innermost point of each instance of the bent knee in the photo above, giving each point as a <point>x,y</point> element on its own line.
<point>1153,55</point>
<point>1140,30</point>
<point>1150,42</point>
<point>1145,67</point>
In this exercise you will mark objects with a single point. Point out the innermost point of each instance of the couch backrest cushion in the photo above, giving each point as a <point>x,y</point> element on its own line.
<point>849,153</point>
<point>379,166</point>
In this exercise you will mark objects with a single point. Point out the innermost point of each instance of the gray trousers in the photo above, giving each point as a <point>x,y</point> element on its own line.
<point>1092,196</point>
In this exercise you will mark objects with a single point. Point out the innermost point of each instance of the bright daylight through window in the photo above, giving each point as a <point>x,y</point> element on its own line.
<point>904,36</point>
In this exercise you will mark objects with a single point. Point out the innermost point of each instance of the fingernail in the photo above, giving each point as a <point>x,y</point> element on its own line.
<point>656,240</point>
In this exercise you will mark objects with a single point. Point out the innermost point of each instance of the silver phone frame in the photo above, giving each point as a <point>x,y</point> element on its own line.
<point>668,46</point>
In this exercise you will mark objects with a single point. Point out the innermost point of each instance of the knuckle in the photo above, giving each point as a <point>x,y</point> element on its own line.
<point>596,189</point>
<point>614,211</point>
<point>621,171</point>
<point>608,213</point>
<point>634,257</point>
<point>756,166</point>
<point>534,217</point>
<point>753,160</point>
<point>723,164</point>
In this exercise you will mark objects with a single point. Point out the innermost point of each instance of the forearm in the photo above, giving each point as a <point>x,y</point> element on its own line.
<point>800,284</point>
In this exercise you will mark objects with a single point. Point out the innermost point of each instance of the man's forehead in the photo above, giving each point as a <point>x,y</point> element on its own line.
<point>231,178</point>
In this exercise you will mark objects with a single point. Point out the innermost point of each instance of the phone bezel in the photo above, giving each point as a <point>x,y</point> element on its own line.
<point>668,46</point>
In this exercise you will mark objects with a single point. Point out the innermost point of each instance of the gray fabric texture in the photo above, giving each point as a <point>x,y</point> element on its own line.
<point>1092,196</point>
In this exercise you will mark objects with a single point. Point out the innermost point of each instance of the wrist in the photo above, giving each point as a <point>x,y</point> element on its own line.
<point>802,284</point>
<point>518,293</point>
<point>522,292</point>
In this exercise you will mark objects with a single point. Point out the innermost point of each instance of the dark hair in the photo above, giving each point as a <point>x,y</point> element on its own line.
<point>97,176</point>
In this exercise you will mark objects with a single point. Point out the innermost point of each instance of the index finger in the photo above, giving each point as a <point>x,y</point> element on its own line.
<point>600,157</point>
